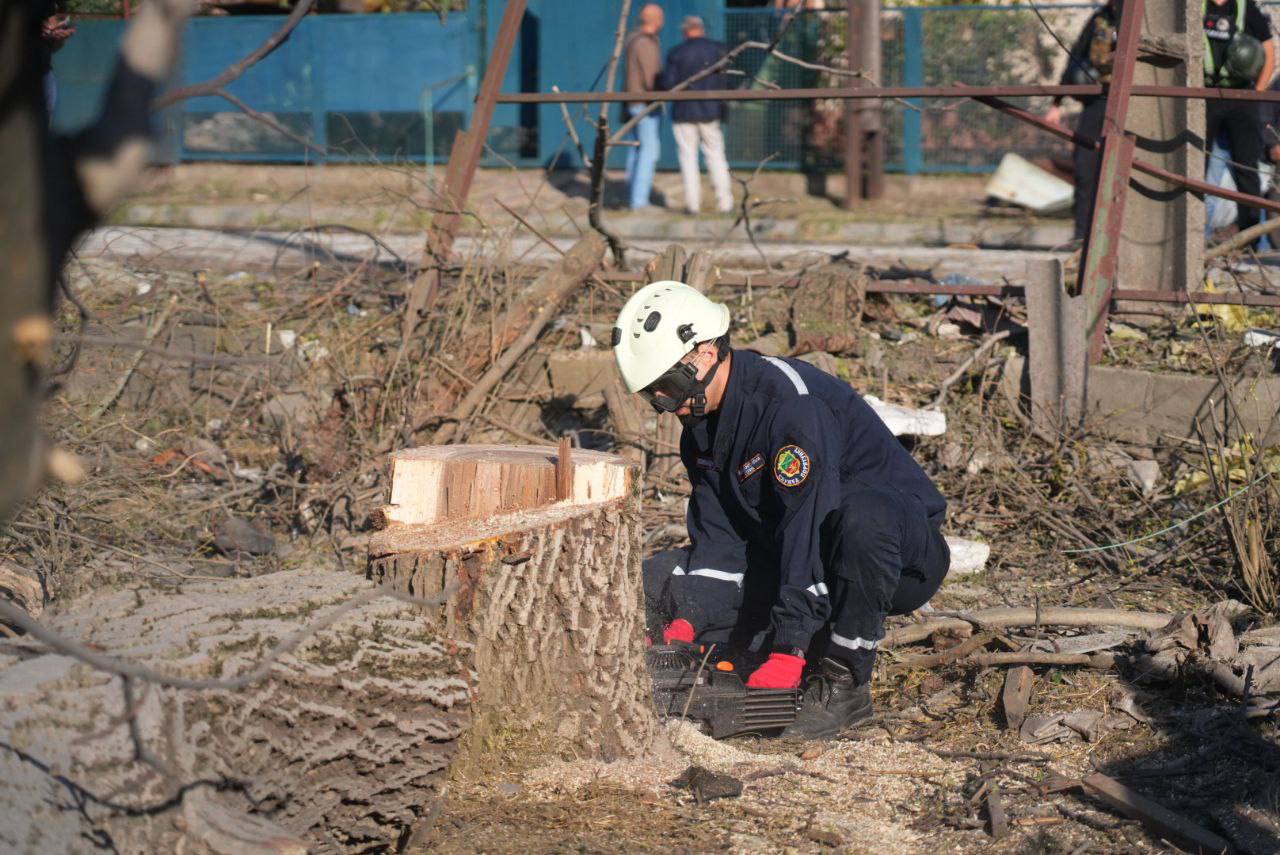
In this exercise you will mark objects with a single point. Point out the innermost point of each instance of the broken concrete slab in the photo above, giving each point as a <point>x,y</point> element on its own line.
<point>581,375</point>
<point>292,408</point>
<point>1144,406</point>
<point>967,556</point>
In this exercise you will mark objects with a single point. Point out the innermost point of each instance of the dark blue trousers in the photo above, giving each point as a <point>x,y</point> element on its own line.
<point>883,556</point>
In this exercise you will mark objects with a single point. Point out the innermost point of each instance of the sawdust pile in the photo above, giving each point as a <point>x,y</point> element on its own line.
<point>849,794</point>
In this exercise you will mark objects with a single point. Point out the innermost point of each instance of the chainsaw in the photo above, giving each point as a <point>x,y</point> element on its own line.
<point>689,684</point>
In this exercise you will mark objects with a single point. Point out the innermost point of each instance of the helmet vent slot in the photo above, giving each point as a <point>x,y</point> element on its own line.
<point>652,321</point>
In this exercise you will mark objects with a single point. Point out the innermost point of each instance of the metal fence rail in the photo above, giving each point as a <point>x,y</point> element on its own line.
<point>396,87</point>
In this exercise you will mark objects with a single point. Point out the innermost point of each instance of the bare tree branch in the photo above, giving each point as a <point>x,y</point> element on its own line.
<point>235,70</point>
<point>598,158</point>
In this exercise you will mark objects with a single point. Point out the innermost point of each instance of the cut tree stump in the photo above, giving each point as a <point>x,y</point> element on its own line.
<point>342,747</point>
<point>548,590</point>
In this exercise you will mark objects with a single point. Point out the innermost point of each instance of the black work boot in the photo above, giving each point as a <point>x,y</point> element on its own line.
<point>832,702</point>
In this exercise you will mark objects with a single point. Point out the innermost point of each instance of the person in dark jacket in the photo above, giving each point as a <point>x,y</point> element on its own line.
<point>1225,23</point>
<point>809,522</point>
<point>1090,62</point>
<point>697,123</point>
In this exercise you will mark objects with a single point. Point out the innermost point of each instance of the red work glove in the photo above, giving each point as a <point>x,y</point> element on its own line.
<point>678,630</point>
<point>779,671</point>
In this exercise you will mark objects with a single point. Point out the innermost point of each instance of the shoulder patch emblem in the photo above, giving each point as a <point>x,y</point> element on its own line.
<point>751,466</point>
<point>791,466</point>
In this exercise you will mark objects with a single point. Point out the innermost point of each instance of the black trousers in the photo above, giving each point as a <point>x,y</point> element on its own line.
<point>1242,123</point>
<point>882,554</point>
<point>1087,162</point>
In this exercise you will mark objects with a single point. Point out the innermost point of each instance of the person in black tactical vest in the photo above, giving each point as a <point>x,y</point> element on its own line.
<point>1090,62</point>
<point>1238,54</point>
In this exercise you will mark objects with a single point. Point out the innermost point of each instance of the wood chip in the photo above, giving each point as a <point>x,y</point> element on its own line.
<point>995,813</point>
<point>1016,696</point>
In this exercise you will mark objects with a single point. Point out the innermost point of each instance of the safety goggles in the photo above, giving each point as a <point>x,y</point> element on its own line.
<point>675,386</point>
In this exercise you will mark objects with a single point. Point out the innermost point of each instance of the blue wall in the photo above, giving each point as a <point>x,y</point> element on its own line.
<point>379,87</point>
<point>339,80</point>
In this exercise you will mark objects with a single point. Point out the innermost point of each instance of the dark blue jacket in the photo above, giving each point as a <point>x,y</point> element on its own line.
<point>684,61</point>
<point>768,468</point>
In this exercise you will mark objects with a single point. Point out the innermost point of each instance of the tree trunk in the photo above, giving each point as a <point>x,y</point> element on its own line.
<point>548,590</point>
<point>343,746</point>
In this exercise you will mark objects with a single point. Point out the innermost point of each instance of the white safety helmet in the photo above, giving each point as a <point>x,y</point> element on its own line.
<point>659,325</point>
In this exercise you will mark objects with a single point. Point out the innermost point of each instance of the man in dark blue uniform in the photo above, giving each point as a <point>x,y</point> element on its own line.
<point>808,520</point>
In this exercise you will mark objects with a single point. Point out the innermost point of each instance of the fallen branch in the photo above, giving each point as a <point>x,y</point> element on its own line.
<point>1100,661</point>
<point>190,356</point>
<point>955,376</point>
<point>951,654</point>
<point>1241,239</point>
<point>153,330</point>
<point>1157,819</point>
<point>578,264</point>
<point>1004,618</point>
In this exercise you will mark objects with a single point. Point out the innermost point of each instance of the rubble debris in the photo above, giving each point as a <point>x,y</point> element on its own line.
<point>1123,332</point>
<point>1018,181</point>
<point>22,588</point>
<point>905,421</point>
<point>833,343</point>
<point>1083,643</point>
<point>1092,725</point>
<point>1016,695</point>
<point>967,556</point>
<point>292,408</point>
<point>776,343</point>
<point>1261,338</point>
<point>236,535</point>
<point>1157,819</point>
<point>553,289</point>
<point>1203,642</point>
<point>581,375</point>
<point>707,786</point>
<point>822,360</point>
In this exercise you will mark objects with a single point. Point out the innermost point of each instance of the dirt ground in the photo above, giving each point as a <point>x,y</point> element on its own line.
<point>267,391</point>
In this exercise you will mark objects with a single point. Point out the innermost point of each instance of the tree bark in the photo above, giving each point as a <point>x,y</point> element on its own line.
<point>549,592</point>
<point>343,746</point>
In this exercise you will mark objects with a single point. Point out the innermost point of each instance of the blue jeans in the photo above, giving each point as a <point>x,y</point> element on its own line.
<point>642,160</point>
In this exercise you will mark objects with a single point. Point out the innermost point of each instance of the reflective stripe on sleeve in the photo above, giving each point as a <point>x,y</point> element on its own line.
<point>792,374</point>
<point>818,590</point>
<point>854,643</point>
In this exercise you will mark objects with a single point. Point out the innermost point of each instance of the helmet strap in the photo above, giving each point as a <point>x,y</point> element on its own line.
<point>698,400</point>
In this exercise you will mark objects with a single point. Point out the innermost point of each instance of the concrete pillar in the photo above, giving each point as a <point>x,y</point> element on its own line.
<point>1162,244</point>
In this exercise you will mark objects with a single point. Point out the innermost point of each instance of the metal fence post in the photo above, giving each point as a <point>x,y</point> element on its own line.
<point>319,115</point>
<point>912,75</point>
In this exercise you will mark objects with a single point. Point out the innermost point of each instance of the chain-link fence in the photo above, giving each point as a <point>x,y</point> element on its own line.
<point>921,46</point>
